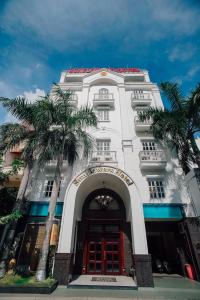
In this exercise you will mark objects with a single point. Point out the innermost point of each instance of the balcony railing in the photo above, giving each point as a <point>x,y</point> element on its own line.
<point>103,157</point>
<point>139,122</point>
<point>140,99</point>
<point>74,99</point>
<point>142,125</point>
<point>152,159</point>
<point>103,99</point>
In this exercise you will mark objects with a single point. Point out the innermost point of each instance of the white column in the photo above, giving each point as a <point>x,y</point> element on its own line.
<point>65,244</point>
<point>139,240</point>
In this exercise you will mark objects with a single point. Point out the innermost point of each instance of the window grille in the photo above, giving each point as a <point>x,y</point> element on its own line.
<point>156,189</point>
<point>49,188</point>
<point>149,146</point>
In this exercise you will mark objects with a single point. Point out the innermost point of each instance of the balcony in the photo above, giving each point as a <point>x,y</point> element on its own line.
<point>15,179</point>
<point>154,159</point>
<point>74,100</point>
<point>142,125</point>
<point>142,99</point>
<point>103,158</point>
<point>103,99</point>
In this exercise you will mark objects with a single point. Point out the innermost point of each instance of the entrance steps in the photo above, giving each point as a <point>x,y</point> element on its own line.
<point>103,282</point>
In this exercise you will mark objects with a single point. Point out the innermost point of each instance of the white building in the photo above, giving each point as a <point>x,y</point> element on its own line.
<point>125,207</point>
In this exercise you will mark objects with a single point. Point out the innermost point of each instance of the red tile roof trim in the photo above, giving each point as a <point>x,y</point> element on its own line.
<point>89,70</point>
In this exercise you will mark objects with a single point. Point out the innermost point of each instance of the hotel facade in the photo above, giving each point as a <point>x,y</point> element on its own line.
<point>126,207</point>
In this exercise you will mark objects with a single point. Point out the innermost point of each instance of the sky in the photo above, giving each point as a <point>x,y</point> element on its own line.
<point>39,39</point>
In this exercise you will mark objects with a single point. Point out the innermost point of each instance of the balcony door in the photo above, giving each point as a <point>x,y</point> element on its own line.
<point>103,147</point>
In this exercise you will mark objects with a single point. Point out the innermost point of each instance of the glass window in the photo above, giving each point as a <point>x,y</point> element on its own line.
<point>103,91</point>
<point>156,189</point>
<point>103,115</point>
<point>138,94</point>
<point>49,188</point>
<point>103,146</point>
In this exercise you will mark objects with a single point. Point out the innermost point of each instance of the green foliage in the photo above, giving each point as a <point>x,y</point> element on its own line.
<point>10,218</point>
<point>18,280</point>
<point>178,125</point>
<point>51,127</point>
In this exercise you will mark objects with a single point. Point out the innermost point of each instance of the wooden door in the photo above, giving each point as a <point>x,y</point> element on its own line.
<point>103,249</point>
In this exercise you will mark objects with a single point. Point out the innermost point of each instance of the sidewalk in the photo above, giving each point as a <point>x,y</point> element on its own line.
<point>170,288</point>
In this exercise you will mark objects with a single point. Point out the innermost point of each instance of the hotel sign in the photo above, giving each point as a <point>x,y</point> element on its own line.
<point>103,170</point>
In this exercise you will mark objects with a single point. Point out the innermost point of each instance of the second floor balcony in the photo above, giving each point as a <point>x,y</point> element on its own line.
<point>140,99</point>
<point>74,100</point>
<point>142,125</point>
<point>103,158</point>
<point>103,99</point>
<point>152,159</point>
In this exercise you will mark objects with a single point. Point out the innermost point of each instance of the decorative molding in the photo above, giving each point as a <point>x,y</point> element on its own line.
<point>103,170</point>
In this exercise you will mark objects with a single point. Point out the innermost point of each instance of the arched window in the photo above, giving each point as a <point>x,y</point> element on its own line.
<point>103,91</point>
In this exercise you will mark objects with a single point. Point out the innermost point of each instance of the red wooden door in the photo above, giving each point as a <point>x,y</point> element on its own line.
<point>103,249</point>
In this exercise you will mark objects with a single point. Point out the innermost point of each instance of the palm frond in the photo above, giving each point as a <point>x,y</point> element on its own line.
<point>19,107</point>
<point>173,94</point>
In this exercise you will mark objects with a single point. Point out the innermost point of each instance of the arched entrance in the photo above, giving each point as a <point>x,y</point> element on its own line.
<point>103,217</point>
<point>78,220</point>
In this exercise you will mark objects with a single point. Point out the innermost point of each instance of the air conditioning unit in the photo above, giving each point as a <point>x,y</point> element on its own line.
<point>97,158</point>
<point>108,158</point>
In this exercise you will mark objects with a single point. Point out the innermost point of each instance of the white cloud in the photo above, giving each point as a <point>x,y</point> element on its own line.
<point>188,76</point>
<point>182,52</point>
<point>32,96</point>
<point>193,71</point>
<point>67,24</point>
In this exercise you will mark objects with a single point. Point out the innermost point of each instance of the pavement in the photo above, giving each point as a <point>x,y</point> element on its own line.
<point>166,288</point>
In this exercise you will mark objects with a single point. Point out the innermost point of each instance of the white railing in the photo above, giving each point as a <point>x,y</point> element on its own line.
<point>103,156</point>
<point>152,156</point>
<point>103,97</point>
<point>145,122</point>
<point>140,96</point>
<point>73,97</point>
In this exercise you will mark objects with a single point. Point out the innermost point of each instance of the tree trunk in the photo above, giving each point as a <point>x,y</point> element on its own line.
<point>195,150</point>
<point>41,269</point>
<point>11,228</point>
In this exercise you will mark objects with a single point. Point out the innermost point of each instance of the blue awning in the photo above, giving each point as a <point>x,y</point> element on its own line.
<point>40,209</point>
<point>163,211</point>
<point>151,211</point>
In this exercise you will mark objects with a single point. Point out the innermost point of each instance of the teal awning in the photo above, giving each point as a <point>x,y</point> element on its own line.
<point>151,211</point>
<point>163,211</point>
<point>40,209</point>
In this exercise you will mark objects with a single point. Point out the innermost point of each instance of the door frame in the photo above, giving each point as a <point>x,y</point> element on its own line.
<point>121,247</point>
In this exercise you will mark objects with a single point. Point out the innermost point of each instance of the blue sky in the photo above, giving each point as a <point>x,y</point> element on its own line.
<point>39,39</point>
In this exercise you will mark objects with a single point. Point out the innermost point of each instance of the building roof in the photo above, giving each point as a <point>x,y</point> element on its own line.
<point>89,70</point>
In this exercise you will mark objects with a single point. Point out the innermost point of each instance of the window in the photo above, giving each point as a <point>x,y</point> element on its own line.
<point>103,94</point>
<point>103,146</point>
<point>49,188</point>
<point>138,94</point>
<point>156,189</point>
<point>103,114</point>
<point>149,146</point>
<point>103,91</point>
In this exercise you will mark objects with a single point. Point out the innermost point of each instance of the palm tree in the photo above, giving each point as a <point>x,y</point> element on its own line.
<point>177,125</point>
<point>12,135</point>
<point>62,138</point>
<point>52,130</point>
